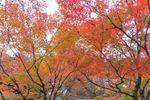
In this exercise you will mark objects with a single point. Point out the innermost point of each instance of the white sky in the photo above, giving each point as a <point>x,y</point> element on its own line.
<point>52,6</point>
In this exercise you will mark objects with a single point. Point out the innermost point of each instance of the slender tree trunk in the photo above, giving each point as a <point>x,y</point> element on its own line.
<point>44,92</point>
<point>45,97</point>
<point>142,94</point>
<point>2,96</point>
<point>22,96</point>
<point>137,87</point>
<point>148,95</point>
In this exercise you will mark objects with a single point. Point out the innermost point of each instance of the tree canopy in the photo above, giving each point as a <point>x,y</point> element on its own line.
<point>44,55</point>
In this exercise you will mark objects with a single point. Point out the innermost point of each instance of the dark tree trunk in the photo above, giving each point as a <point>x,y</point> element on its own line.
<point>137,88</point>
<point>148,95</point>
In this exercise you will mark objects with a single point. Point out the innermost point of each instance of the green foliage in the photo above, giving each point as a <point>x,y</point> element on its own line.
<point>98,98</point>
<point>126,98</point>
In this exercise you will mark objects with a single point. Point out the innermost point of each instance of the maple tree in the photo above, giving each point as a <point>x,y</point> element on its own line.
<point>118,38</point>
<point>30,66</point>
<point>41,55</point>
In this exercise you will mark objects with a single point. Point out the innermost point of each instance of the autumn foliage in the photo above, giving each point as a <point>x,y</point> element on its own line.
<point>42,55</point>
